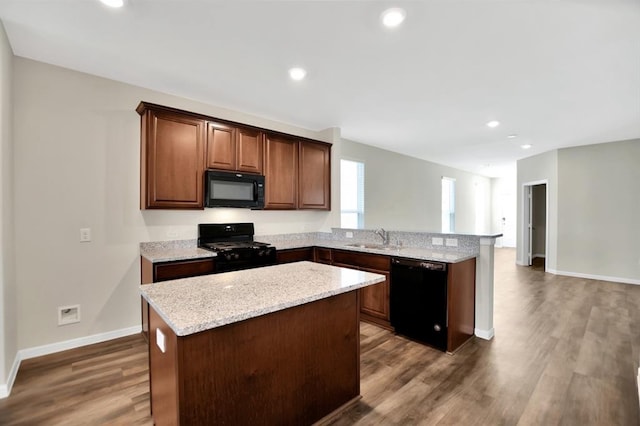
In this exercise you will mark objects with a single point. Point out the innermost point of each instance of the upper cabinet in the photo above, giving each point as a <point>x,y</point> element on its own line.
<point>178,146</point>
<point>297,174</point>
<point>221,146</point>
<point>171,161</point>
<point>234,148</point>
<point>280,173</point>
<point>314,177</point>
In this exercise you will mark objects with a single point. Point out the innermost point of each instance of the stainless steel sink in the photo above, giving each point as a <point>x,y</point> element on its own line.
<point>373,246</point>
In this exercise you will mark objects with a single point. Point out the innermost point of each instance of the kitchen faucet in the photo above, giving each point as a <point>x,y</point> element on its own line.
<point>384,235</point>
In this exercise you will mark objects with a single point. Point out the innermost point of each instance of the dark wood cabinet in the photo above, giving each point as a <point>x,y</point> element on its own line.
<point>297,174</point>
<point>234,148</point>
<point>249,150</point>
<point>164,271</point>
<point>374,299</point>
<point>221,146</point>
<point>461,303</point>
<point>314,177</point>
<point>294,255</point>
<point>323,255</point>
<point>172,160</point>
<point>178,146</point>
<point>289,367</point>
<point>281,173</point>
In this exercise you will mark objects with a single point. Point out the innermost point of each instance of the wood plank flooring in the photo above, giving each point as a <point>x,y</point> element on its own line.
<point>566,352</point>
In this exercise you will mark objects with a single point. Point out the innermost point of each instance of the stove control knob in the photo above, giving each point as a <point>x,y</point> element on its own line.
<point>236,256</point>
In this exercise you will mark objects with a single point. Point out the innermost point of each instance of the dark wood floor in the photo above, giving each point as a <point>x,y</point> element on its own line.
<point>566,352</point>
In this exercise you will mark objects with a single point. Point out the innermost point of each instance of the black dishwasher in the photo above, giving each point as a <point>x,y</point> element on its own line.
<point>419,300</point>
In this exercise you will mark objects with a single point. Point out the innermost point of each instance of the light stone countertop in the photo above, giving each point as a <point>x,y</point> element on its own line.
<point>167,252</point>
<point>191,305</point>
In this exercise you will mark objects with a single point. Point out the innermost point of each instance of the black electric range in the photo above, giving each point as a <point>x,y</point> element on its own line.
<point>234,244</point>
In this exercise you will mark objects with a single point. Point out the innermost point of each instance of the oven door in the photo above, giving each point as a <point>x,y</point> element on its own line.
<point>224,189</point>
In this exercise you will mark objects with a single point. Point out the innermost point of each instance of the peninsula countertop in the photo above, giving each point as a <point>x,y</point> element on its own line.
<point>192,305</point>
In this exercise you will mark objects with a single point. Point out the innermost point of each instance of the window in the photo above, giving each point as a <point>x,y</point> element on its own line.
<point>448,204</point>
<point>351,194</point>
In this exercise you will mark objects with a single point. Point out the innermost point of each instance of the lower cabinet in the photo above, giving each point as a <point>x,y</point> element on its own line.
<point>374,299</point>
<point>164,271</point>
<point>294,255</point>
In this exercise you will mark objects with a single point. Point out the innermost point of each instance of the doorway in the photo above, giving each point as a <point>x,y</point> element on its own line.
<point>534,223</point>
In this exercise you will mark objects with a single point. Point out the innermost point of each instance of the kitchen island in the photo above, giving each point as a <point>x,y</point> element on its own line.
<point>272,345</point>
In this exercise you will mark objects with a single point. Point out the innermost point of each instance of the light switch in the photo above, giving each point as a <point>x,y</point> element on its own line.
<point>85,235</point>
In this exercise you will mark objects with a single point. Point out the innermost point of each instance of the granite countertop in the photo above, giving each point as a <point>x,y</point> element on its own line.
<point>191,305</point>
<point>172,251</point>
<point>167,254</point>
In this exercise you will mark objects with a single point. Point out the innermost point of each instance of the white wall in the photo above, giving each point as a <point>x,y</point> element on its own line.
<point>404,193</point>
<point>8,335</point>
<point>535,169</point>
<point>593,205</point>
<point>599,210</point>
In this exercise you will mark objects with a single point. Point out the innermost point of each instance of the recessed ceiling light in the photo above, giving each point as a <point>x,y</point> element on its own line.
<point>391,18</point>
<point>493,124</point>
<point>297,73</point>
<point>525,146</point>
<point>512,136</point>
<point>113,3</point>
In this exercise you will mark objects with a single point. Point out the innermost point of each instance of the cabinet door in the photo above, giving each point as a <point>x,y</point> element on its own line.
<point>294,255</point>
<point>173,161</point>
<point>314,182</point>
<point>221,146</point>
<point>281,173</point>
<point>182,269</point>
<point>249,151</point>
<point>322,255</point>
<point>374,299</point>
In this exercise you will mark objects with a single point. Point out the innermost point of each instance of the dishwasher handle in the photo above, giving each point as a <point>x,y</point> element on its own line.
<point>423,264</point>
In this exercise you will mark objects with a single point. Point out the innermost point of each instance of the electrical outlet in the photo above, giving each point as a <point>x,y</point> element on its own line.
<point>436,241</point>
<point>160,341</point>
<point>452,242</point>
<point>85,235</point>
<point>68,314</point>
<point>349,234</point>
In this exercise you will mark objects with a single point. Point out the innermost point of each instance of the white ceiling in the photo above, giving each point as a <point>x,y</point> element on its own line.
<point>557,73</point>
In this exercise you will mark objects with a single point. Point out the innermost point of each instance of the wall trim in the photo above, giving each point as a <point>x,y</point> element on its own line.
<point>538,255</point>
<point>595,277</point>
<point>76,343</point>
<point>5,389</point>
<point>485,334</point>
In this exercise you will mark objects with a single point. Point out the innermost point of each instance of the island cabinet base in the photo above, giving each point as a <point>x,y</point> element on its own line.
<point>290,367</point>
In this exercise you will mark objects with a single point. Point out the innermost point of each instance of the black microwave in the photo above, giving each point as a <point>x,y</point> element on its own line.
<point>230,189</point>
